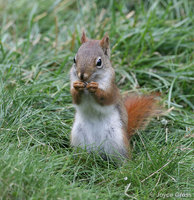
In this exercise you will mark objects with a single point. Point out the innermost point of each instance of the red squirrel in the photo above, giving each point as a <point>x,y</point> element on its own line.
<point>104,119</point>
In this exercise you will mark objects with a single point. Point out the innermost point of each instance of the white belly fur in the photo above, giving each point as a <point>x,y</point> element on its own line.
<point>98,127</point>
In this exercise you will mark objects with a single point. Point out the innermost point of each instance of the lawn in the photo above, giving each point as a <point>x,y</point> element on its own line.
<point>152,45</point>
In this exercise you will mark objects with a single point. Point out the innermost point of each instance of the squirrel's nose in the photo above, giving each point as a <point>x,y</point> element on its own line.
<point>82,76</point>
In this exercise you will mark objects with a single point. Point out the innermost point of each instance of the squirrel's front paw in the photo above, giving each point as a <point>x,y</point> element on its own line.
<point>92,87</point>
<point>78,85</point>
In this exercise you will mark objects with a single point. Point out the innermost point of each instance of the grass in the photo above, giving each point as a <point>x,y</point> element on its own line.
<point>152,50</point>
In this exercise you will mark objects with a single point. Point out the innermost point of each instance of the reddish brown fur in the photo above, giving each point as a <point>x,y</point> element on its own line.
<point>84,38</point>
<point>140,109</point>
<point>76,95</point>
<point>107,97</point>
<point>77,91</point>
<point>126,140</point>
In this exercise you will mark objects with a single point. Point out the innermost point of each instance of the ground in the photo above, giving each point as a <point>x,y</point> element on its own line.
<point>152,45</point>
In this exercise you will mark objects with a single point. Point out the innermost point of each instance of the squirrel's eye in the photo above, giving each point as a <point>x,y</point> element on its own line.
<point>99,63</point>
<point>74,60</point>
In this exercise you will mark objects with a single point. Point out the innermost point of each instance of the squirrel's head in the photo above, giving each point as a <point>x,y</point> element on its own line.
<point>92,58</point>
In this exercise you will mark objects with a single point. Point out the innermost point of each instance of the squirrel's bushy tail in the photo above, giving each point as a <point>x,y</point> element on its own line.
<point>140,110</point>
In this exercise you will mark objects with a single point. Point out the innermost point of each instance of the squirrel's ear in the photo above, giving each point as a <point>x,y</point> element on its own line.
<point>84,38</point>
<point>104,43</point>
